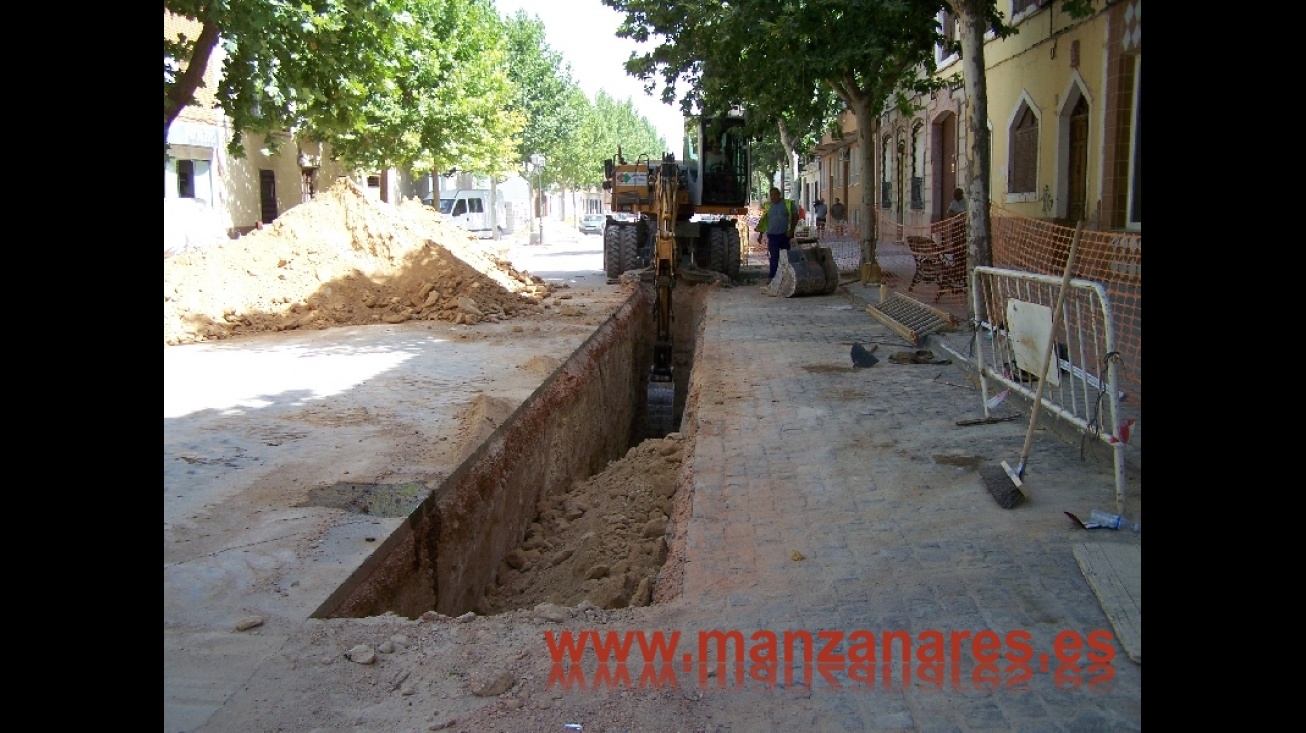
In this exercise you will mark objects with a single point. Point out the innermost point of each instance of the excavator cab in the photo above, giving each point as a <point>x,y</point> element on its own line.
<point>717,158</point>
<point>711,188</point>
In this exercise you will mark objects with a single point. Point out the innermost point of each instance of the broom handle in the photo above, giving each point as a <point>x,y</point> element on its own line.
<point>1047,353</point>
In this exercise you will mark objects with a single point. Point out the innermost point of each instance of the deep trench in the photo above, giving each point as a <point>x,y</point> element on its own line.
<point>589,412</point>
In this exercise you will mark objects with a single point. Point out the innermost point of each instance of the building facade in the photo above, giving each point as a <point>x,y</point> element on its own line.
<point>835,170</point>
<point>1065,116</point>
<point>201,178</point>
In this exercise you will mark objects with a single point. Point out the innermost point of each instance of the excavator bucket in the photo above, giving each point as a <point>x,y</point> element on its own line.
<point>661,418</point>
<point>807,270</point>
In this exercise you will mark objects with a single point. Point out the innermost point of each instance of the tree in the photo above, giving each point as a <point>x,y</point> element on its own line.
<point>791,55</point>
<point>448,101</point>
<point>582,163</point>
<point>608,124</point>
<point>715,59</point>
<point>545,95</point>
<point>281,62</point>
<point>622,126</point>
<point>572,164</point>
<point>383,82</point>
<point>976,18</point>
<point>545,91</point>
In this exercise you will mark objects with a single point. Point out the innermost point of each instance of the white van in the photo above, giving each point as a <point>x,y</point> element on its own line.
<point>469,208</point>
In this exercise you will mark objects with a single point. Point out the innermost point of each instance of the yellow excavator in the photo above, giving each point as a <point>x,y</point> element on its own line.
<point>676,220</point>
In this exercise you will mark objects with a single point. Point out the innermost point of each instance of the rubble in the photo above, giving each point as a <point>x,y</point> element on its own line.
<point>342,259</point>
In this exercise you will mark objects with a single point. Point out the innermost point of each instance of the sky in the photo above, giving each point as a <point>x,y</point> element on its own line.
<point>585,33</point>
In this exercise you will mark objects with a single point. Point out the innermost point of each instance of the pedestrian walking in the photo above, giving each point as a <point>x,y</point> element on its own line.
<point>779,219</point>
<point>839,213</point>
<point>820,211</point>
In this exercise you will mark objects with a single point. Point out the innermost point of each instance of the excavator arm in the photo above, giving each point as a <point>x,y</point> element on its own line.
<point>661,381</point>
<point>683,232</point>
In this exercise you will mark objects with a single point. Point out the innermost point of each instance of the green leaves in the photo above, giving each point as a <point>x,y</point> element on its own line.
<point>385,83</point>
<point>544,89</point>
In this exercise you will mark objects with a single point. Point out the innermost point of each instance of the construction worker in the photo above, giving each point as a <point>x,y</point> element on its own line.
<point>779,219</point>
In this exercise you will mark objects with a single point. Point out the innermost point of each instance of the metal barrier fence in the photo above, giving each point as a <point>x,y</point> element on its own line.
<point>924,261</point>
<point>1114,259</point>
<point>1083,386</point>
<point>905,252</point>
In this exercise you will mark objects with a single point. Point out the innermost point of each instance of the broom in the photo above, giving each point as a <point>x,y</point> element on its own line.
<point>1007,485</point>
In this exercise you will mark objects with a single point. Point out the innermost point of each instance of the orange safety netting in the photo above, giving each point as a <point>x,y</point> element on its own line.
<point>1114,259</point>
<point>930,260</point>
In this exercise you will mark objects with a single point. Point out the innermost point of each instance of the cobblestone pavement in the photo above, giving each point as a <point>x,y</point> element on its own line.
<point>864,475</point>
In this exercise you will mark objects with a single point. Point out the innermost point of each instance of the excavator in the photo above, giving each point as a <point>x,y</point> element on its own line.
<point>675,220</point>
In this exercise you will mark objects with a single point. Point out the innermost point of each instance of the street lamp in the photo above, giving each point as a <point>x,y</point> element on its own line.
<point>538,161</point>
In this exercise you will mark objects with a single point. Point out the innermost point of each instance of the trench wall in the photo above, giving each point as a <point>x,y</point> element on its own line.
<point>570,428</point>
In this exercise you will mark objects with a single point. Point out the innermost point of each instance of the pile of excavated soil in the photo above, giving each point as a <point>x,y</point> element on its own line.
<point>342,259</point>
<point>603,540</point>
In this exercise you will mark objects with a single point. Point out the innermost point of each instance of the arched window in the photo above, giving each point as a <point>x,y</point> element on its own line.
<point>1022,167</point>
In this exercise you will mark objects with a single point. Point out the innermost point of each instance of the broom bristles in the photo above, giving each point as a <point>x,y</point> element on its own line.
<point>1000,487</point>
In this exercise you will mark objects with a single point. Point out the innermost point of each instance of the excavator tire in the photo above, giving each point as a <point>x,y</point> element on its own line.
<point>628,240</point>
<point>716,249</point>
<point>612,252</point>
<point>732,252</point>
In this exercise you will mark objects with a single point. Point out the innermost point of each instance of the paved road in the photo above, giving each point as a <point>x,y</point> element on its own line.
<point>260,433</point>
<point>567,256</point>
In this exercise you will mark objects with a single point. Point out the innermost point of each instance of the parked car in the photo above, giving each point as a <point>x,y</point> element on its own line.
<point>592,224</point>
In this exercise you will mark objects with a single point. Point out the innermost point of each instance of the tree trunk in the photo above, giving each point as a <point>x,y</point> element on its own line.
<point>494,207</point>
<point>870,266</point>
<point>788,144</point>
<point>980,246</point>
<point>183,92</point>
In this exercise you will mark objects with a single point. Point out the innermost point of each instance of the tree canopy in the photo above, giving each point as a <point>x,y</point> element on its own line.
<point>405,83</point>
<point>790,62</point>
<point>545,92</point>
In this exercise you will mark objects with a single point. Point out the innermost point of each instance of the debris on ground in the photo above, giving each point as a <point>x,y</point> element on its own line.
<point>602,540</point>
<point>862,357</point>
<point>342,259</point>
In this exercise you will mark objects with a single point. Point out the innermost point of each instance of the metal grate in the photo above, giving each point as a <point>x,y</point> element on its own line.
<point>911,318</point>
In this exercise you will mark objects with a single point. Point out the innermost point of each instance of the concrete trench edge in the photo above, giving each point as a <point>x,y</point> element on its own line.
<point>488,501</point>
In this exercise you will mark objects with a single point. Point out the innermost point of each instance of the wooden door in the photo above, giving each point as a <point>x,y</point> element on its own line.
<point>267,195</point>
<point>1077,185</point>
<point>900,185</point>
<point>945,165</point>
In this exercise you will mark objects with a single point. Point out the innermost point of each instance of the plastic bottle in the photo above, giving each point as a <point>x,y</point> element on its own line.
<point>1113,521</point>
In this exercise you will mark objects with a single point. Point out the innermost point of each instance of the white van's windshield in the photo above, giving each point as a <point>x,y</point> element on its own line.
<point>446,205</point>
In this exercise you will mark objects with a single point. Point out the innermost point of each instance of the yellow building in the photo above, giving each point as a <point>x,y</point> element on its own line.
<point>201,179</point>
<point>834,171</point>
<point>1064,102</point>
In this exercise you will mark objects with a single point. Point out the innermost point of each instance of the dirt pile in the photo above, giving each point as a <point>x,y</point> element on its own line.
<point>603,540</point>
<point>342,259</point>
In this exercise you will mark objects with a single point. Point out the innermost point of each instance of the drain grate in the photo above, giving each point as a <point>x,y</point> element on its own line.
<point>911,318</point>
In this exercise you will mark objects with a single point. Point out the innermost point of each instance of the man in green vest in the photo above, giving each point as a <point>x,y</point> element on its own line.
<point>779,219</point>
